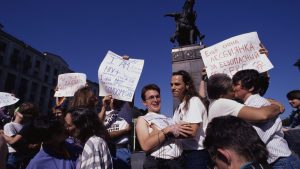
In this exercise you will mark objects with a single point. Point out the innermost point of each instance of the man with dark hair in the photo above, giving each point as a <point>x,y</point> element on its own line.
<point>292,133</point>
<point>233,143</point>
<point>246,86</point>
<point>294,100</point>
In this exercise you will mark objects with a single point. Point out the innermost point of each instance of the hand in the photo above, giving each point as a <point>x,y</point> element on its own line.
<point>263,50</point>
<point>106,100</point>
<point>125,57</point>
<point>281,106</point>
<point>172,129</point>
<point>204,74</point>
<point>185,130</point>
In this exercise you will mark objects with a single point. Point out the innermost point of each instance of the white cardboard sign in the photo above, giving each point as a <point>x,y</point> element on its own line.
<point>69,83</point>
<point>237,53</point>
<point>119,77</point>
<point>7,99</point>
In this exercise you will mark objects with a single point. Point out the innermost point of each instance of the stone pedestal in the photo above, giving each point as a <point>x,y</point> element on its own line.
<point>188,58</point>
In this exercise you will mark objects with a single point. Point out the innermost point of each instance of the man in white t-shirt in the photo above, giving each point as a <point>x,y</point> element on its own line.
<point>246,86</point>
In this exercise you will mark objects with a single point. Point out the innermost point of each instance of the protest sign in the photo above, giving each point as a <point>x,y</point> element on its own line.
<point>7,99</point>
<point>69,83</point>
<point>234,54</point>
<point>119,77</point>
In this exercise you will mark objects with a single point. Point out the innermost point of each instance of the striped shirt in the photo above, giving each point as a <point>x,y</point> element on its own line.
<point>95,155</point>
<point>270,132</point>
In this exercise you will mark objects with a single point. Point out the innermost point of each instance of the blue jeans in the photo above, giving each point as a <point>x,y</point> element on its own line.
<point>122,159</point>
<point>195,159</point>
<point>290,162</point>
<point>13,161</point>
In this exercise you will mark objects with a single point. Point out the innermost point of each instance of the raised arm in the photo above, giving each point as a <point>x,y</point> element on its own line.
<point>105,103</point>
<point>202,91</point>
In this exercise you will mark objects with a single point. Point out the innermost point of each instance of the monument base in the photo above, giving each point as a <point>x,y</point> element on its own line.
<point>188,58</point>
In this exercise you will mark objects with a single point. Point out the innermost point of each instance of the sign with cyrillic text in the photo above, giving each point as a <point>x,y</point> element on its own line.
<point>7,99</point>
<point>119,77</point>
<point>69,83</point>
<point>234,54</point>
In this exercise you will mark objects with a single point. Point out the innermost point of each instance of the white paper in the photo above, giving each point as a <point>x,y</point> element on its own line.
<point>234,54</point>
<point>69,83</point>
<point>7,99</point>
<point>119,77</point>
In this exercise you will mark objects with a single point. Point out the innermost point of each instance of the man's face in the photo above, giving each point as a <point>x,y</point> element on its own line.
<point>152,101</point>
<point>295,103</point>
<point>178,86</point>
<point>239,91</point>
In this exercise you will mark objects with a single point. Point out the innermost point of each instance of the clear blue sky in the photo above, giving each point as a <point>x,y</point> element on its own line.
<point>83,31</point>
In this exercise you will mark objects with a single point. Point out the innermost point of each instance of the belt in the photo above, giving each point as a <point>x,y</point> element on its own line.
<point>125,145</point>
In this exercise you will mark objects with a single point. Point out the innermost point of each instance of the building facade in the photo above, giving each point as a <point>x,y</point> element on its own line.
<point>30,74</point>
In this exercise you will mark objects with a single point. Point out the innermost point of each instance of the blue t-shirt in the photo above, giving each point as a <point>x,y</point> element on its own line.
<point>46,161</point>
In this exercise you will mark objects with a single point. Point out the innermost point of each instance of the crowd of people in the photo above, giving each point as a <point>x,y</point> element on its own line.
<point>226,124</point>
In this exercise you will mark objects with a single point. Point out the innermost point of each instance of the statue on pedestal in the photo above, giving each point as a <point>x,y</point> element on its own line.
<point>186,32</point>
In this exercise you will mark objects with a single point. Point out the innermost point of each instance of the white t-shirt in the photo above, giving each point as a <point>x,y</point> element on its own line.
<point>222,107</point>
<point>169,149</point>
<point>11,129</point>
<point>270,132</point>
<point>194,114</point>
<point>117,124</point>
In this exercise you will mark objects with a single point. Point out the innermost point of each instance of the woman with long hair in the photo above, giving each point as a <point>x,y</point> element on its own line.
<point>189,114</point>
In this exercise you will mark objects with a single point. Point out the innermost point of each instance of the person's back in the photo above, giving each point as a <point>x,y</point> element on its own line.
<point>55,152</point>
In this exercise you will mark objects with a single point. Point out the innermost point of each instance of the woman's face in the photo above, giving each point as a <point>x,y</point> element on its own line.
<point>178,86</point>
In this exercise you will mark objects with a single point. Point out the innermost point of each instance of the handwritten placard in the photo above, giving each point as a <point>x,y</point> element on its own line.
<point>119,77</point>
<point>7,99</point>
<point>69,83</point>
<point>234,54</point>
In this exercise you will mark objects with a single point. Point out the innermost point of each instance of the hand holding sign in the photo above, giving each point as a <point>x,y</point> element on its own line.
<point>7,99</point>
<point>234,54</point>
<point>118,76</point>
<point>69,83</point>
